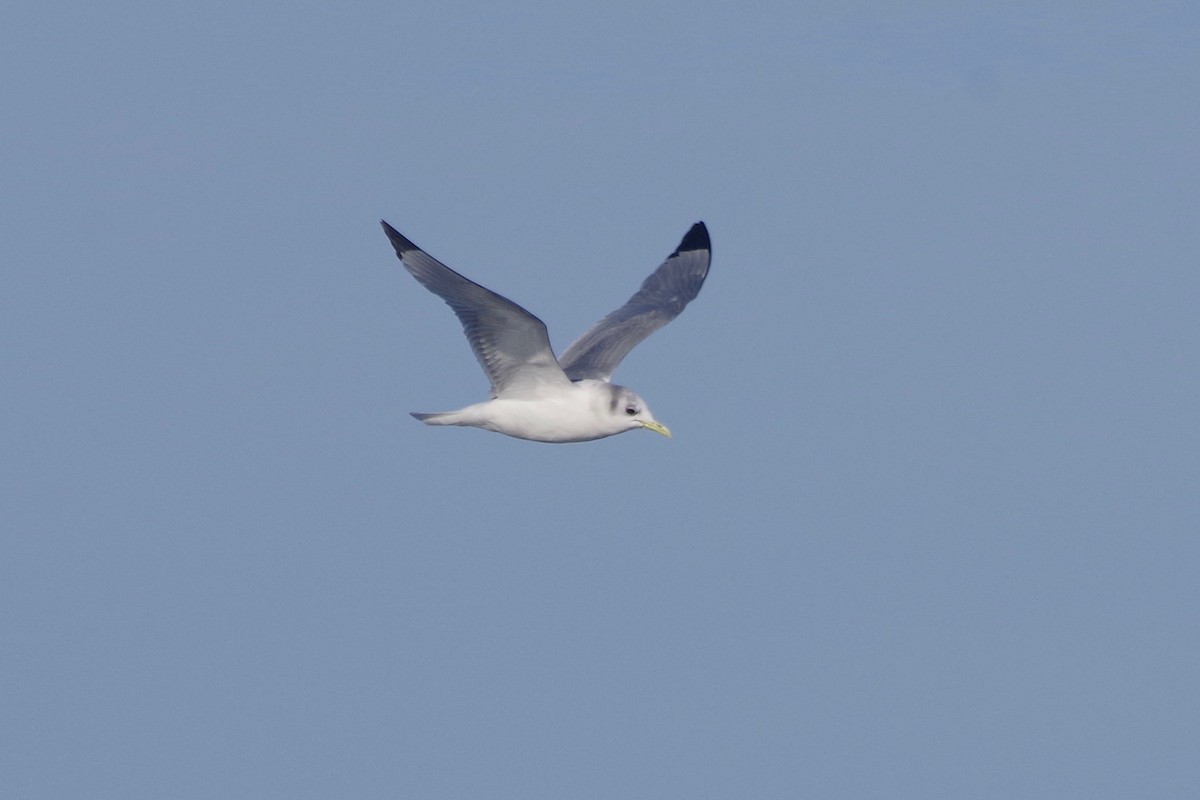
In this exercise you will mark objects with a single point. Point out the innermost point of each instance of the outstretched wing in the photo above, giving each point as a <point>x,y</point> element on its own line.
<point>511,344</point>
<point>663,295</point>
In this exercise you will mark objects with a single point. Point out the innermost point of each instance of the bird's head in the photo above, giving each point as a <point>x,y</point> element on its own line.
<point>626,406</point>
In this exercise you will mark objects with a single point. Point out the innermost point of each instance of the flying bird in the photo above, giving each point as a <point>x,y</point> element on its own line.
<point>539,397</point>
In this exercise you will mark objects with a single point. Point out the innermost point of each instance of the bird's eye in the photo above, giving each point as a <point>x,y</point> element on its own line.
<point>630,410</point>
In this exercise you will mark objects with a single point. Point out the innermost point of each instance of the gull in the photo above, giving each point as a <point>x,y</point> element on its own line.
<point>534,395</point>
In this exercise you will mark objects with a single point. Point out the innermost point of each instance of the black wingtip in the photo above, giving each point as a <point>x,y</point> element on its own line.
<point>695,239</point>
<point>398,241</point>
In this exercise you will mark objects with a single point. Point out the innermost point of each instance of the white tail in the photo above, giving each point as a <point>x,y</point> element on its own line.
<point>439,418</point>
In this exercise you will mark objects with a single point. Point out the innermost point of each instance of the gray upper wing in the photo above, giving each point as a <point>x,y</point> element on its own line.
<point>511,344</point>
<point>663,295</point>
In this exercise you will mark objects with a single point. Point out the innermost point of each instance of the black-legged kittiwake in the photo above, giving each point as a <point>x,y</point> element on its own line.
<point>534,395</point>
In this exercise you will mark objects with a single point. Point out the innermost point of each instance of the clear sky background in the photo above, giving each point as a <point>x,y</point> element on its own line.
<point>928,525</point>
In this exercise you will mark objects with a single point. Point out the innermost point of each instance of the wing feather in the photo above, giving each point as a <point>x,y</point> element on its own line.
<point>511,344</point>
<point>662,297</point>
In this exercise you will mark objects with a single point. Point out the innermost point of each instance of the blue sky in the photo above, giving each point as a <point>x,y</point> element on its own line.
<point>927,526</point>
